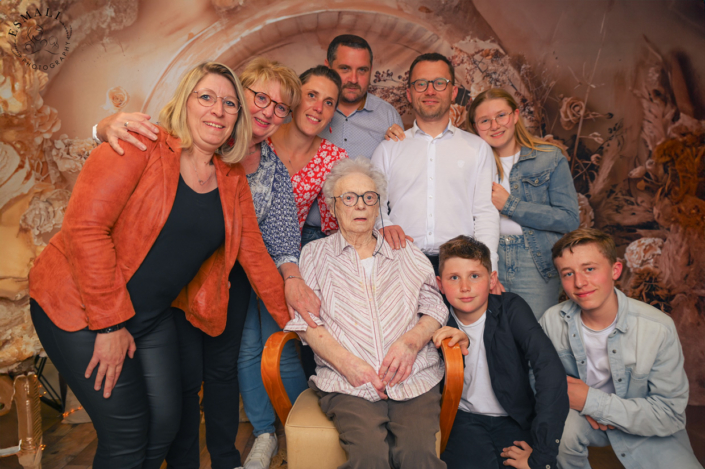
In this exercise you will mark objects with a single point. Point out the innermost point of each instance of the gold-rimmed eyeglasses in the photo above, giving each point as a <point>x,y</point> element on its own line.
<point>207,98</point>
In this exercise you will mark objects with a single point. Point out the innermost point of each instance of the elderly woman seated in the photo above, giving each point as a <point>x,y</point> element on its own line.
<point>377,372</point>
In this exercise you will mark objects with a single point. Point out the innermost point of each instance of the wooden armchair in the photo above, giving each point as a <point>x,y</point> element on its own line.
<point>312,440</point>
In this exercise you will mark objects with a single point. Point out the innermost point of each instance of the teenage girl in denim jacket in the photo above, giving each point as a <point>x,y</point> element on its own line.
<point>534,194</point>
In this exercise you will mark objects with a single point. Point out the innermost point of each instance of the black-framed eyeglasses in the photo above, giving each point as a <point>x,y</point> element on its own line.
<point>262,100</point>
<point>208,98</point>
<point>350,199</point>
<point>485,123</point>
<point>439,84</point>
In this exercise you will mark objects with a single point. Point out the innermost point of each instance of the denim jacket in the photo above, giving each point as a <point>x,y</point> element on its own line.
<point>646,361</point>
<point>543,201</point>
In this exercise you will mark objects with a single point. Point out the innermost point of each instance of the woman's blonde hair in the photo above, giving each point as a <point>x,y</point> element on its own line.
<point>521,134</point>
<point>261,69</point>
<point>173,117</point>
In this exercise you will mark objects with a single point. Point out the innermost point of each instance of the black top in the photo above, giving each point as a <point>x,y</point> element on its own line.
<point>192,233</point>
<point>513,339</point>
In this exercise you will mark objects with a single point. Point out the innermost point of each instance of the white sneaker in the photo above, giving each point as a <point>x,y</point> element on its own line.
<point>265,446</point>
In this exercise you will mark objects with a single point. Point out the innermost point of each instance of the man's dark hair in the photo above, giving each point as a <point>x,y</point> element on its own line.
<point>464,247</point>
<point>347,40</point>
<point>323,71</point>
<point>432,57</point>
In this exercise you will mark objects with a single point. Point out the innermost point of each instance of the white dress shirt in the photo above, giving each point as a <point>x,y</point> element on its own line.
<point>439,188</point>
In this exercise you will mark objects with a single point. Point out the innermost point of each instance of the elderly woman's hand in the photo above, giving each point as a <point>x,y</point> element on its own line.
<point>395,132</point>
<point>359,372</point>
<point>398,362</point>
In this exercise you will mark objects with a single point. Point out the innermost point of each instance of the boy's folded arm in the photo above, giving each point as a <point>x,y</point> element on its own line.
<point>551,389</point>
<point>662,411</point>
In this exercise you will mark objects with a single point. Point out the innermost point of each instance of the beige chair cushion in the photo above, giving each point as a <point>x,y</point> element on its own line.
<point>311,439</point>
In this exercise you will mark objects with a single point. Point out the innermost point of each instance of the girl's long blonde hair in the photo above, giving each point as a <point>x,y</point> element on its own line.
<point>521,134</point>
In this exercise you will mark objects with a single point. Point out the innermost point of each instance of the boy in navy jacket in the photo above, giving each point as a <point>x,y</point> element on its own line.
<point>501,421</point>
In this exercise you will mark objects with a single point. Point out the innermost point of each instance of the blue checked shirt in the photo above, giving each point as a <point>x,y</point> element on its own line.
<point>361,132</point>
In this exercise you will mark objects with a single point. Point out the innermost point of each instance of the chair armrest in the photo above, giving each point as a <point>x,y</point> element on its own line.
<point>271,377</point>
<point>452,389</point>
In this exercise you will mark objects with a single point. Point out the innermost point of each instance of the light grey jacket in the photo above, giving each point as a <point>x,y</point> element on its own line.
<point>646,360</point>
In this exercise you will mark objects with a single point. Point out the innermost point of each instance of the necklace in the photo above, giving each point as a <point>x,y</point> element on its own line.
<point>200,181</point>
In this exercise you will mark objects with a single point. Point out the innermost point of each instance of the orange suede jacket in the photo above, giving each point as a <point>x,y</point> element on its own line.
<point>117,209</point>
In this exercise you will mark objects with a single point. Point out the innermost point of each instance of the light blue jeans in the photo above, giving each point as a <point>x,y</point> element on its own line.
<point>518,274</point>
<point>671,451</point>
<point>259,325</point>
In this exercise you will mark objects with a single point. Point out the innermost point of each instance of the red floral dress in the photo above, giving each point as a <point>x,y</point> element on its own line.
<point>308,183</point>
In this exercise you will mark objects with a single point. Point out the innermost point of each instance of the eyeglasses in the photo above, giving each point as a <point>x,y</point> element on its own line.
<point>485,123</point>
<point>350,198</point>
<point>262,100</point>
<point>439,84</point>
<point>207,98</point>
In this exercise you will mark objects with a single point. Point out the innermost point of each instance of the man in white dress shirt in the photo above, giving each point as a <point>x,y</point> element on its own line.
<point>439,177</point>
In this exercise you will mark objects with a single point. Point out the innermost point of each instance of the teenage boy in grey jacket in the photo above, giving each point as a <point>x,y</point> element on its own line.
<point>626,383</point>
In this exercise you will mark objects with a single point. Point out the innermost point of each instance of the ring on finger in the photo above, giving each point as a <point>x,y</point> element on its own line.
<point>127,123</point>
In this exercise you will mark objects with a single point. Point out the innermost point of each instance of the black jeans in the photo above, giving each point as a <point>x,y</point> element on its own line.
<point>137,423</point>
<point>476,441</point>
<point>213,362</point>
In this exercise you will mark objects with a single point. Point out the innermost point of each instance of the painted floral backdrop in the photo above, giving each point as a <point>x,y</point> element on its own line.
<point>645,187</point>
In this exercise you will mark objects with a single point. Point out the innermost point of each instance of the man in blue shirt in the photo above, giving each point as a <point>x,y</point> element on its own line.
<point>361,118</point>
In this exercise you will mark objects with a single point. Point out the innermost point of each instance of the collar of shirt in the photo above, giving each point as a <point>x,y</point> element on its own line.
<point>340,245</point>
<point>364,106</point>
<point>450,128</point>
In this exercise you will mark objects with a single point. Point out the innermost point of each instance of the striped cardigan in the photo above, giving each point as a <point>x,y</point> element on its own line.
<point>367,316</point>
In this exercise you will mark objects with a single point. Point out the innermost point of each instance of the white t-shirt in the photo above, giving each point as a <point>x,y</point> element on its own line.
<point>507,226</point>
<point>367,264</point>
<point>599,374</point>
<point>478,396</point>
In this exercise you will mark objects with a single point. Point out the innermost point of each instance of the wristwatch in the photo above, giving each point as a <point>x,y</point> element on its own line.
<point>110,329</point>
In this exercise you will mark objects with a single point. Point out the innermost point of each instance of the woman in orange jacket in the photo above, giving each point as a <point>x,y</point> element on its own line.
<point>145,234</point>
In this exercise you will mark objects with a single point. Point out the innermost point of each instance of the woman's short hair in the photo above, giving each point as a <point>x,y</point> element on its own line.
<point>173,117</point>
<point>359,165</point>
<point>581,236</point>
<point>261,69</point>
<point>323,71</point>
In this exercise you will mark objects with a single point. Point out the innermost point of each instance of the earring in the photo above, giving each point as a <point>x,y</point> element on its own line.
<point>330,129</point>
<point>231,141</point>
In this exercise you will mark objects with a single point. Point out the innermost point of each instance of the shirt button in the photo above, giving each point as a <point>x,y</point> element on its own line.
<point>558,441</point>
<point>515,186</point>
<point>582,362</point>
<point>346,119</point>
<point>623,454</point>
<point>429,233</point>
<point>83,306</point>
<point>536,181</point>
<point>614,351</point>
<point>538,254</point>
<point>573,335</point>
<point>345,139</point>
<point>548,466</point>
<point>620,380</point>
